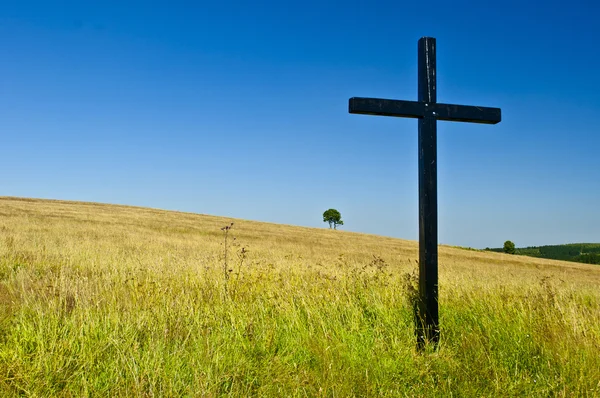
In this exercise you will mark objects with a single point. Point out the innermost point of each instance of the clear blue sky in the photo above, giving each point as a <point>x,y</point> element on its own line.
<point>240,109</point>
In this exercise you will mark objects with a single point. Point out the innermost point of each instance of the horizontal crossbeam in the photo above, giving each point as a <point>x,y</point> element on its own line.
<point>417,110</point>
<point>383,107</point>
<point>467,113</point>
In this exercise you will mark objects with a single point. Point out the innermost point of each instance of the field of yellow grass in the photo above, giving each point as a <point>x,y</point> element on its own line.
<point>105,300</point>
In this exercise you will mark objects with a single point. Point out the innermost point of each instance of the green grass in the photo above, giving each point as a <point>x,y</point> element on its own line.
<point>99,300</point>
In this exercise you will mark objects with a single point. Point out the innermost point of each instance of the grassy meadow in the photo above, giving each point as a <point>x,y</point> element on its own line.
<point>113,301</point>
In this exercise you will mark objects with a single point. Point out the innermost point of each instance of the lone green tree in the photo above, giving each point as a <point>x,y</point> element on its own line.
<point>509,247</point>
<point>333,217</point>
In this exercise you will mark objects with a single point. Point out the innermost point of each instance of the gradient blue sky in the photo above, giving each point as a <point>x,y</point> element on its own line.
<point>240,109</point>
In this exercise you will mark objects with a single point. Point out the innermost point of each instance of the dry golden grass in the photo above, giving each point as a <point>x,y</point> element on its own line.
<point>104,300</point>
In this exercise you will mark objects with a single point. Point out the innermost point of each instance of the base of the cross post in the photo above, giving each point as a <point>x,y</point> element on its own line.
<point>427,337</point>
<point>427,333</point>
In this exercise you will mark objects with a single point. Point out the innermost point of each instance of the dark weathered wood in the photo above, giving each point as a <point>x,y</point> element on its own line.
<point>416,110</point>
<point>384,107</point>
<point>466,113</point>
<point>428,111</point>
<point>427,322</point>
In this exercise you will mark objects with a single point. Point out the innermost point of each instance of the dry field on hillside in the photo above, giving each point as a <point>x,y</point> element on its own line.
<point>104,300</point>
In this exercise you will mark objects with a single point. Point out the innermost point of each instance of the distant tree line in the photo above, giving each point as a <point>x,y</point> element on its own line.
<point>579,252</point>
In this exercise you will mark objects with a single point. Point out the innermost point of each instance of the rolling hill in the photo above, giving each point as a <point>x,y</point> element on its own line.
<point>106,300</point>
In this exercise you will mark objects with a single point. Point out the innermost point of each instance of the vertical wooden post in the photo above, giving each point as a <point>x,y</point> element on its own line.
<point>427,322</point>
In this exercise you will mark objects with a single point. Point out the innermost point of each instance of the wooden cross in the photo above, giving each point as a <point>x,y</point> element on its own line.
<point>428,111</point>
